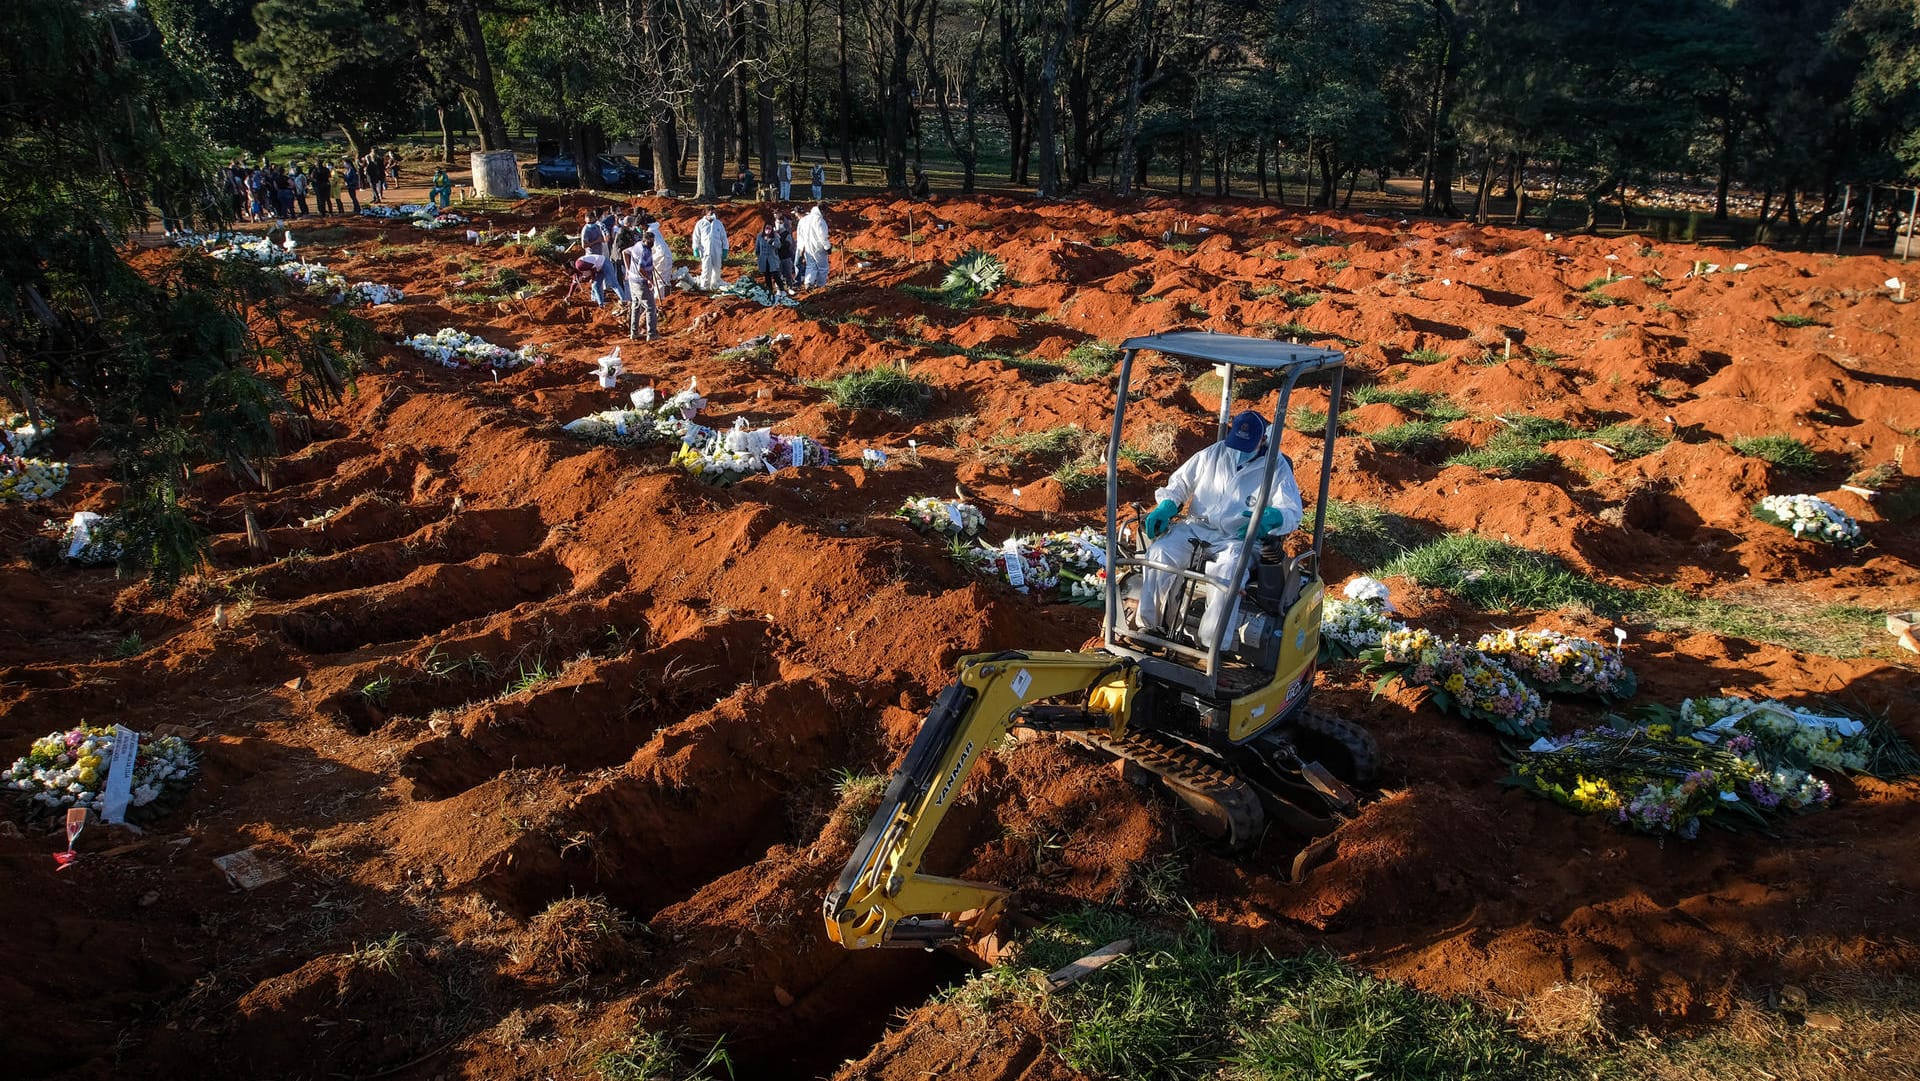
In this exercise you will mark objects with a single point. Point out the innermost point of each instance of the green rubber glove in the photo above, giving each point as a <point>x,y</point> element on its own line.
<point>1160,519</point>
<point>1270,520</point>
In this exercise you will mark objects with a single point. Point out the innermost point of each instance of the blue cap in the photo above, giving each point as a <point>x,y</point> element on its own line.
<point>1246,432</point>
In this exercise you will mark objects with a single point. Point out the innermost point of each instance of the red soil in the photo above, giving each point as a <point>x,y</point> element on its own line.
<point>719,653</point>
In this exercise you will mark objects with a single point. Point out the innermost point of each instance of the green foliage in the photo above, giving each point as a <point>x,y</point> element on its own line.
<point>325,63</point>
<point>1412,437</point>
<point>1506,455</point>
<point>130,646</point>
<point>1423,356</point>
<point>885,388</point>
<point>1630,439</point>
<point>1180,1007</point>
<point>1498,576</point>
<point>1791,319</point>
<point>192,360</point>
<point>654,1056</point>
<point>1782,450</point>
<point>531,676</point>
<point>973,276</point>
<point>1092,359</point>
<point>1432,404</point>
<point>1371,536</point>
<point>1308,420</point>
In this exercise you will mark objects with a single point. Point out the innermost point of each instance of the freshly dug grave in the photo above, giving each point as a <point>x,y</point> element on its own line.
<point>513,670</point>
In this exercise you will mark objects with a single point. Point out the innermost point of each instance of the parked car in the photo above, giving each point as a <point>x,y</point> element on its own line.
<point>619,174</point>
<point>558,172</point>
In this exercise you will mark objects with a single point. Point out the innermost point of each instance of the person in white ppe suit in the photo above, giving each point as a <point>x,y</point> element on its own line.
<point>710,247</point>
<point>811,239</point>
<point>662,262</point>
<point>1218,488</point>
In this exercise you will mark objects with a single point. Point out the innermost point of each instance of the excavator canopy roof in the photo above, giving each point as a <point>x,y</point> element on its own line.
<point>1237,350</point>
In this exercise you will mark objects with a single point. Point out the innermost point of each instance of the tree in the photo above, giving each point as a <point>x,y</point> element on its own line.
<point>187,361</point>
<point>1885,98</point>
<point>336,63</point>
<point>198,37</point>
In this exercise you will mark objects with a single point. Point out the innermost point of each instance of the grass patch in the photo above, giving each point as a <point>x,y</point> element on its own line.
<point>885,388</point>
<point>1265,290</point>
<point>1432,404</point>
<point>1506,455</point>
<point>1631,440</point>
<point>1779,618</point>
<point>653,1056</point>
<point>1308,420</point>
<point>929,295</point>
<point>1793,319</point>
<point>1423,356</point>
<point>1180,1007</point>
<point>1543,355</point>
<point>1092,360</point>
<point>1411,437</point>
<point>529,678</point>
<point>1780,449</point>
<point>130,646</point>
<point>1080,476</point>
<point>1106,240</point>
<point>1370,535</point>
<point>1297,331</point>
<point>1303,300</point>
<point>1158,446</point>
<point>1499,577</point>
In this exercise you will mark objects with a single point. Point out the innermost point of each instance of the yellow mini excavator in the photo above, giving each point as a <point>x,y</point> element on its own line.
<point>1219,719</point>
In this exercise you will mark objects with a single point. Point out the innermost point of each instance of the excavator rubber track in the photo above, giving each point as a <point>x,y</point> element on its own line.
<point>1227,807</point>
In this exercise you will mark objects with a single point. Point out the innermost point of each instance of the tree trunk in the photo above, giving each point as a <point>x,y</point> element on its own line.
<point>1049,184</point>
<point>446,134</point>
<point>356,140</point>
<point>846,97</point>
<point>1483,205</point>
<point>897,100</point>
<point>666,152</point>
<point>1443,147</point>
<point>491,121</point>
<point>711,118</point>
<point>1728,133</point>
<point>1130,123</point>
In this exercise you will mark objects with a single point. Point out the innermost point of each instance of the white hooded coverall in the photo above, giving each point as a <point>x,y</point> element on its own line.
<point>811,239</point>
<point>710,247</point>
<point>1215,491</point>
<point>662,262</point>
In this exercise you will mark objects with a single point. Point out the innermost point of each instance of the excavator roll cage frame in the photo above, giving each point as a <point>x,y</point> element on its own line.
<point>1223,727</point>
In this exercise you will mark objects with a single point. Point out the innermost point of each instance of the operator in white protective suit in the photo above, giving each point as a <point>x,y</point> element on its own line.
<point>1219,488</point>
<point>811,239</point>
<point>710,247</point>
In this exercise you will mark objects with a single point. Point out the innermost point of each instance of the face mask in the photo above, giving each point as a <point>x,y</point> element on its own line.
<point>1242,457</point>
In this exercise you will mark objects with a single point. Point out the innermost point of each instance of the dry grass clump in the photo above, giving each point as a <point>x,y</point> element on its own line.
<point>575,937</point>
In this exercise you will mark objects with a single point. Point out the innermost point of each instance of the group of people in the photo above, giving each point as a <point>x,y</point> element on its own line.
<point>628,258</point>
<point>276,192</point>
<point>790,251</point>
<point>744,187</point>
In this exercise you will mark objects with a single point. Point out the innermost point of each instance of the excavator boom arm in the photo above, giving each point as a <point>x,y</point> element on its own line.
<point>881,898</point>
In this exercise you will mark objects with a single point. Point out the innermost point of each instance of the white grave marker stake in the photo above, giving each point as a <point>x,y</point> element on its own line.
<point>119,787</point>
